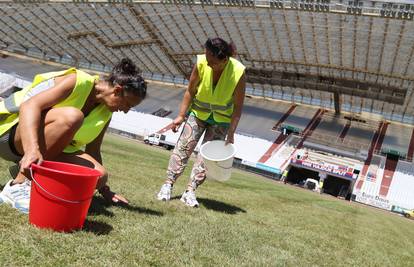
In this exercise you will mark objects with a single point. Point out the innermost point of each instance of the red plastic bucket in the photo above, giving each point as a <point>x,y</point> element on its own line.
<point>61,195</point>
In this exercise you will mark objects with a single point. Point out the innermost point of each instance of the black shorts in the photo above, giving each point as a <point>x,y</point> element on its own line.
<point>7,149</point>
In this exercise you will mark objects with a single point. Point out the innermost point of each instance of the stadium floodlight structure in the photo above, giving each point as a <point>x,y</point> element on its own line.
<point>354,55</point>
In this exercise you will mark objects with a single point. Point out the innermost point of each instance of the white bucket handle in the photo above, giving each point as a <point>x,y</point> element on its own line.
<point>50,194</point>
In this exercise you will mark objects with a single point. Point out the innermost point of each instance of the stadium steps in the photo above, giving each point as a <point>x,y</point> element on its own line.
<point>376,144</point>
<point>389,170</point>
<point>411,148</point>
<point>311,126</point>
<point>284,117</point>
<point>274,147</point>
<point>345,131</point>
<point>372,182</point>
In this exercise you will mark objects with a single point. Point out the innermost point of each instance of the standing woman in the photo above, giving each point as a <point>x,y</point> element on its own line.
<point>212,105</point>
<point>62,116</point>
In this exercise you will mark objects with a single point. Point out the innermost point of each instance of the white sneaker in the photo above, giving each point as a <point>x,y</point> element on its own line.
<point>189,198</point>
<point>165,192</point>
<point>18,195</point>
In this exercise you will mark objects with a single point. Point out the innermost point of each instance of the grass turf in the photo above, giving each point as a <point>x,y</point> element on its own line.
<point>247,221</point>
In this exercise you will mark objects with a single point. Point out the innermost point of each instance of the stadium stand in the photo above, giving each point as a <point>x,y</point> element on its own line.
<point>304,55</point>
<point>281,159</point>
<point>274,147</point>
<point>402,186</point>
<point>397,140</point>
<point>328,77</point>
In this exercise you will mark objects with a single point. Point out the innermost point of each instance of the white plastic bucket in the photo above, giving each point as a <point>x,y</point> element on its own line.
<point>218,159</point>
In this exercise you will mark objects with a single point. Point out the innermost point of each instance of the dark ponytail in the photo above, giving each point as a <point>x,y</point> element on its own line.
<point>126,74</point>
<point>220,48</point>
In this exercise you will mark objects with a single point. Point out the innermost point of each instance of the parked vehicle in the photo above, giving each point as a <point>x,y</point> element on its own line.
<point>312,184</point>
<point>408,214</point>
<point>160,140</point>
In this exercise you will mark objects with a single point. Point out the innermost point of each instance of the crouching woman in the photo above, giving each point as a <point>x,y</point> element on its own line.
<point>62,116</point>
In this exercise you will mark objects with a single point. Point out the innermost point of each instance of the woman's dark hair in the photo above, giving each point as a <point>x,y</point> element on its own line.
<point>220,48</point>
<point>126,74</point>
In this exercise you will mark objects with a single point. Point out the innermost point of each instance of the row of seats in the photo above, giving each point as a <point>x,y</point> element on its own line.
<point>166,28</point>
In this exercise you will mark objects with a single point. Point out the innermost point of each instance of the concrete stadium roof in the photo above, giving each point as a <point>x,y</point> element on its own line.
<point>355,56</point>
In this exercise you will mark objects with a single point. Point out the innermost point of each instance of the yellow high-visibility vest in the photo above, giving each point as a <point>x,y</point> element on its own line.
<point>92,124</point>
<point>219,101</point>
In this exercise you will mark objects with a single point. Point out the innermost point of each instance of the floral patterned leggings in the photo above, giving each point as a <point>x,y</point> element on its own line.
<point>191,134</point>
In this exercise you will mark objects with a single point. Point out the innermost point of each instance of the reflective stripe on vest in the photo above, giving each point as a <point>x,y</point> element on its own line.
<point>219,101</point>
<point>209,108</point>
<point>195,107</point>
<point>10,105</point>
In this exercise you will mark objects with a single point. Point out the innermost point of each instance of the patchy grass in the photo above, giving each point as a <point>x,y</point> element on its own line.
<point>248,221</point>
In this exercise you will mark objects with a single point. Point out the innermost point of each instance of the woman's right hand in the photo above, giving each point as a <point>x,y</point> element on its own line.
<point>177,123</point>
<point>30,157</point>
<point>110,196</point>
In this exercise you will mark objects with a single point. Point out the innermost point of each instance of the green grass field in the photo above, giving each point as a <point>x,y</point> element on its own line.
<point>247,221</point>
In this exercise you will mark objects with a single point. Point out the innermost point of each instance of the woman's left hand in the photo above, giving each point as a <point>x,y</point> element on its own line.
<point>110,196</point>
<point>230,138</point>
<point>29,158</point>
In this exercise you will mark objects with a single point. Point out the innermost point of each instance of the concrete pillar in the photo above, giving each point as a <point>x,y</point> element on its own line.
<point>337,103</point>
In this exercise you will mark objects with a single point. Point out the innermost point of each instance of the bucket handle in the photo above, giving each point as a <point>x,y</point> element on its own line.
<point>50,194</point>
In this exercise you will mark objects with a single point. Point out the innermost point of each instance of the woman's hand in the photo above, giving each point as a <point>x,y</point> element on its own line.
<point>230,138</point>
<point>110,196</point>
<point>177,123</point>
<point>30,157</point>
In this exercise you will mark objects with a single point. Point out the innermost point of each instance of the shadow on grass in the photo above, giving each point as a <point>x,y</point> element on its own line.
<point>100,207</point>
<point>216,205</point>
<point>96,227</point>
<point>220,206</point>
<point>175,197</point>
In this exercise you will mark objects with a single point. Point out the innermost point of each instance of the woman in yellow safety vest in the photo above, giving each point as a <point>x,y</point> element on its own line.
<point>62,116</point>
<point>212,104</point>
